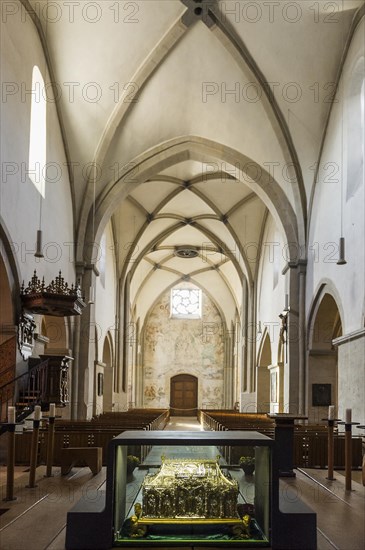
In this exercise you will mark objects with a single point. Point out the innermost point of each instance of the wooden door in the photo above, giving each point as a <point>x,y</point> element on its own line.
<point>184,395</point>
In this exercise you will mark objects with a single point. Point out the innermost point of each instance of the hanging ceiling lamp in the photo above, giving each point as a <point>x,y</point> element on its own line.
<point>38,252</point>
<point>341,245</point>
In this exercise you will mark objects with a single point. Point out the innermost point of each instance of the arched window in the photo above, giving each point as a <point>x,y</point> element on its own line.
<point>37,142</point>
<point>355,114</point>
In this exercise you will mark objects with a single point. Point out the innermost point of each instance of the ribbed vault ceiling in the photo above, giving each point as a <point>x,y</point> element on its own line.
<point>215,215</point>
<point>166,69</point>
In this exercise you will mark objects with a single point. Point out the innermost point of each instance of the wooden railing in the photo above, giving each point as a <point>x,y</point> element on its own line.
<point>30,386</point>
<point>35,384</point>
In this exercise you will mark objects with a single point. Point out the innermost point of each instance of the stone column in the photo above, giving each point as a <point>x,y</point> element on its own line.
<point>86,349</point>
<point>250,339</point>
<point>294,369</point>
<point>123,335</point>
<point>302,340</point>
<point>74,393</point>
<point>243,338</point>
<point>139,369</point>
<point>227,382</point>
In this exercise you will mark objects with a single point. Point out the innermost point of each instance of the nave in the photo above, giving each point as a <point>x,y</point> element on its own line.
<point>42,511</point>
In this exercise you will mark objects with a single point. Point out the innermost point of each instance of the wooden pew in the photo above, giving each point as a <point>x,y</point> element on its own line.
<point>91,433</point>
<point>310,440</point>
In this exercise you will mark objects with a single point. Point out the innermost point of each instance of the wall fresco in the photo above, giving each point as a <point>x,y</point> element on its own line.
<point>176,346</point>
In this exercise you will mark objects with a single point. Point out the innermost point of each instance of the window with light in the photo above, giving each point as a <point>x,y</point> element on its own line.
<point>37,142</point>
<point>186,303</point>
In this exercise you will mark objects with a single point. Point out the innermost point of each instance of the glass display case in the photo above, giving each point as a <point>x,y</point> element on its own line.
<point>201,488</point>
<point>167,489</point>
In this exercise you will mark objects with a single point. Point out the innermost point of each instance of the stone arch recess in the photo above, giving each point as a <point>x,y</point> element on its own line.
<point>107,360</point>
<point>264,360</point>
<point>324,324</point>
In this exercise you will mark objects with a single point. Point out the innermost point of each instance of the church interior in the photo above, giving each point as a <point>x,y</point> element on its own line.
<point>182,228</point>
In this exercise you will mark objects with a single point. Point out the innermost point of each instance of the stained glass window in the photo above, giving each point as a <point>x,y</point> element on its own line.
<point>186,302</point>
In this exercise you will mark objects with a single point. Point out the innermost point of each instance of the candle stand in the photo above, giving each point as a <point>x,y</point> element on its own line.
<point>10,428</point>
<point>50,445</point>
<point>33,454</point>
<point>348,452</point>
<point>330,425</point>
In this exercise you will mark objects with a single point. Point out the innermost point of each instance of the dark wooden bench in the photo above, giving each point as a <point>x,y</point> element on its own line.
<point>97,432</point>
<point>72,456</point>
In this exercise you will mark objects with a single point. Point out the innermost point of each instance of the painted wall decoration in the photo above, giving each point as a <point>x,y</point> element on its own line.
<point>190,346</point>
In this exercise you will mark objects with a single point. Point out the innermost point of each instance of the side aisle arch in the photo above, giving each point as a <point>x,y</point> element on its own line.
<point>325,324</point>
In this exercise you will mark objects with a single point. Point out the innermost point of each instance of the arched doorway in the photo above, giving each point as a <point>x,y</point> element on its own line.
<point>322,361</point>
<point>183,395</point>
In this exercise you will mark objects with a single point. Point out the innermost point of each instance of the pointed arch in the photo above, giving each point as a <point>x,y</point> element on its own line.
<point>109,378</point>
<point>325,324</point>
<point>10,273</point>
<point>325,286</point>
<point>8,340</point>
<point>192,281</point>
<point>167,154</point>
<point>264,360</point>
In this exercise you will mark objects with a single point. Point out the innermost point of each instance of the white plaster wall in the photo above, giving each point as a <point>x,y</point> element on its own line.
<point>20,200</point>
<point>105,300</point>
<point>271,286</point>
<point>189,346</point>
<point>346,281</point>
<point>271,290</point>
<point>351,379</point>
<point>322,371</point>
<point>325,223</point>
<point>105,308</point>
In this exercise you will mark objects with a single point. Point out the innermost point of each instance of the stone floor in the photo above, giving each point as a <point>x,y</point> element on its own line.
<point>37,519</point>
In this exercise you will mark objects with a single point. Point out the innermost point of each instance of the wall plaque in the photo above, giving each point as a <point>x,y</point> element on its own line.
<point>321,395</point>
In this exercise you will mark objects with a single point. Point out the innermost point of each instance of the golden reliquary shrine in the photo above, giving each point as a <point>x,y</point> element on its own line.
<point>190,489</point>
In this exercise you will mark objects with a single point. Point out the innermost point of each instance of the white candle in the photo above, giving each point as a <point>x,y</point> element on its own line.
<point>331,412</point>
<point>52,410</point>
<point>11,415</point>
<point>348,416</point>
<point>37,412</point>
